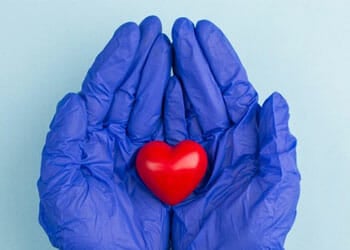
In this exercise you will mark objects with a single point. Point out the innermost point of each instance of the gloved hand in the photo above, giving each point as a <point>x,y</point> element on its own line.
<point>249,196</point>
<point>90,195</point>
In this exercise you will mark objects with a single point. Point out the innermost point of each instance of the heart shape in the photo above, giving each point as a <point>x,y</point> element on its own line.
<point>171,173</point>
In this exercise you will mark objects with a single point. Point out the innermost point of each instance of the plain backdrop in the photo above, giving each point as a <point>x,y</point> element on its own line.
<point>300,48</point>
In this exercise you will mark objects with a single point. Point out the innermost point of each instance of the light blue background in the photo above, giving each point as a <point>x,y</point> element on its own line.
<point>300,48</point>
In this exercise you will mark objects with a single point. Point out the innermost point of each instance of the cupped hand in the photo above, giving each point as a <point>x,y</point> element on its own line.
<point>90,195</point>
<point>249,196</point>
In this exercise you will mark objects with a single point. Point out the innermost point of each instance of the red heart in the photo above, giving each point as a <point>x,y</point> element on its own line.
<point>171,173</point>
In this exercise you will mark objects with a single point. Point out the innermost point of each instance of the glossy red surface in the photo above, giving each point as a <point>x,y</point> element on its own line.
<point>171,173</point>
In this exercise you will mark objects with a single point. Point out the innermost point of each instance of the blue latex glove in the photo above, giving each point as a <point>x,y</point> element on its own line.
<point>90,195</point>
<point>248,199</point>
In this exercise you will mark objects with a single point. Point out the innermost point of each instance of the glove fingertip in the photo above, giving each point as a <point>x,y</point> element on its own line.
<point>205,27</point>
<point>274,134</point>
<point>150,27</point>
<point>160,54</point>
<point>181,27</point>
<point>126,39</point>
<point>153,21</point>
<point>274,115</point>
<point>127,29</point>
<point>278,99</point>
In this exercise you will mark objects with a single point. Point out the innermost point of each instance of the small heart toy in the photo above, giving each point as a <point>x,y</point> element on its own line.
<point>171,173</point>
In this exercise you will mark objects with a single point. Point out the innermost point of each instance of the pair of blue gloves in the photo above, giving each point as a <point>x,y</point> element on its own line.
<point>91,197</point>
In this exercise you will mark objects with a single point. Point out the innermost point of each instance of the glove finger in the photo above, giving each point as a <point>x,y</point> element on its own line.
<point>278,178</point>
<point>221,57</point>
<point>61,154</point>
<point>277,145</point>
<point>174,113</point>
<point>108,72</point>
<point>194,129</point>
<point>227,69</point>
<point>199,84</point>
<point>119,114</point>
<point>146,115</point>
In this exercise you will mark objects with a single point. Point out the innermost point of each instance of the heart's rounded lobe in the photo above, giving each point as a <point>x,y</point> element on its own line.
<point>171,173</point>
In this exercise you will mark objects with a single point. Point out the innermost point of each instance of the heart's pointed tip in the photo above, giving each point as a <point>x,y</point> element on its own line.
<point>173,202</point>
